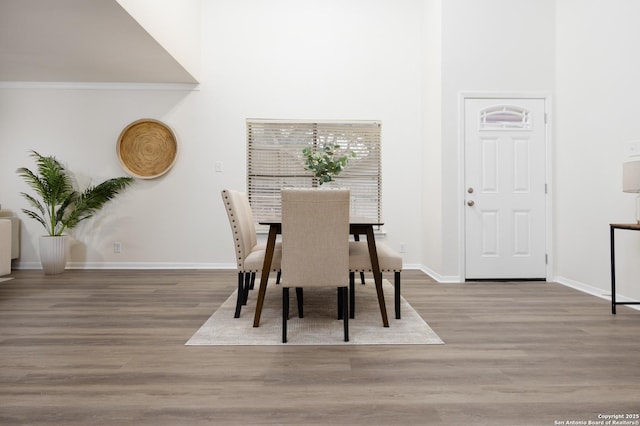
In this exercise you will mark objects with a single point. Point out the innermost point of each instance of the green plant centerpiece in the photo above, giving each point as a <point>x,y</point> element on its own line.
<point>326,161</point>
<point>59,206</point>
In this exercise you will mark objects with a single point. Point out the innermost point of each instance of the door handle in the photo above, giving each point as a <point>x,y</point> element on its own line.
<point>470,203</point>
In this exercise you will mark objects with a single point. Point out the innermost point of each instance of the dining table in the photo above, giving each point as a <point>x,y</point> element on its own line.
<point>357,226</point>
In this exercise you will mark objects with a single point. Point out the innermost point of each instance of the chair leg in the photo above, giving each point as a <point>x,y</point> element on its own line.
<point>397,293</point>
<point>352,295</point>
<point>345,312</point>
<point>240,297</point>
<point>278,276</point>
<point>245,291</point>
<point>253,280</point>
<point>285,312</point>
<point>300,298</point>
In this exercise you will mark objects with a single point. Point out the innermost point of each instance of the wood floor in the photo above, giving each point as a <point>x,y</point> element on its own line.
<point>107,348</point>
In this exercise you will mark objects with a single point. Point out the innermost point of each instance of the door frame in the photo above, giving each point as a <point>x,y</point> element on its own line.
<point>502,97</point>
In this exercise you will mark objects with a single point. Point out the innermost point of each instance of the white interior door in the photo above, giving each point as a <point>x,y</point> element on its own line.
<point>505,192</point>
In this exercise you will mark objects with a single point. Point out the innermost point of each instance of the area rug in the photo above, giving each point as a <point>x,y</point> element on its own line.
<point>5,279</point>
<point>319,325</point>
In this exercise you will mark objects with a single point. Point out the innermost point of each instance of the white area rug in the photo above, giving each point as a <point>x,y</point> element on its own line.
<point>5,279</point>
<point>319,325</point>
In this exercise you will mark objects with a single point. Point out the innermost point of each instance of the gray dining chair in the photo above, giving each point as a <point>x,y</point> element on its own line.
<point>315,246</point>
<point>249,253</point>
<point>360,261</point>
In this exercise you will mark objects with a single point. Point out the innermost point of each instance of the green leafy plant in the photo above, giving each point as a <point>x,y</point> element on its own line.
<point>60,206</point>
<point>326,161</point>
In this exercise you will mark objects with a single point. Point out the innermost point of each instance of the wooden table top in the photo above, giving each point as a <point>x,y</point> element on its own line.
<point>631,226</point>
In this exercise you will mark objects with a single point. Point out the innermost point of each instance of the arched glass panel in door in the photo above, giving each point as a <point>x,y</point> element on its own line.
<point>505,117</point>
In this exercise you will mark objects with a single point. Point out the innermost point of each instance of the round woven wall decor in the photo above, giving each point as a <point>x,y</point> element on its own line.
<point>147,148</point>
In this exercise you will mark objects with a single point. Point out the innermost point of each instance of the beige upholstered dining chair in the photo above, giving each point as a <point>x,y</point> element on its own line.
<point>249,254</point>
<point>315,246</point>
<point>360,261</point>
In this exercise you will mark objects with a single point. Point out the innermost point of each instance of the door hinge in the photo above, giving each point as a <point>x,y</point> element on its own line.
<point>545,118</point>
<point>546,259</point>
<point>545,188</point>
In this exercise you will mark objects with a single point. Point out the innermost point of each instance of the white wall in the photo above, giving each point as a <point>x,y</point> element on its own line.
<point>80,127</point>
<point>489,45</point>
<point>359,59</point>
<point>597,106</point>
<point>432,146</point>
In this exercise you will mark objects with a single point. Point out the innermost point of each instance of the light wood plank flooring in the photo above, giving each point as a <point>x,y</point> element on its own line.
<point>107,348</point>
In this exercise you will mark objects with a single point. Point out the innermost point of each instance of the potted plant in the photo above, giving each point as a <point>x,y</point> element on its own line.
<point>61,207</point>
<point>326,161</point>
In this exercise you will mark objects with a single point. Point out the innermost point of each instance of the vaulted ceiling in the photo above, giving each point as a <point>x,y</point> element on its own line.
<point>80,41</point>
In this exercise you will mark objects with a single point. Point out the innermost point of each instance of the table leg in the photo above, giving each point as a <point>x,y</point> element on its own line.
<point>356,237</point>
<point>377,275</point>
<point>613,272</point>
<point>264,277</point>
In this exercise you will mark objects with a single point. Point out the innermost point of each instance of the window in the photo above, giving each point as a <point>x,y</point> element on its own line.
<point>505,117</point>
<point>275,161</point>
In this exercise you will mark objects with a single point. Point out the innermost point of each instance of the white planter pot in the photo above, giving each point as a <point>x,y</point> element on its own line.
<point>53,253</point>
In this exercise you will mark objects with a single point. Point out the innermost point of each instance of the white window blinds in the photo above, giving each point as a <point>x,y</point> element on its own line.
<point>275,161</point>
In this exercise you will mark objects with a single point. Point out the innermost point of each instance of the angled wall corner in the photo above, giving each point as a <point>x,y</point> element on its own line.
<point>174,25</point>
<point>81,41</point>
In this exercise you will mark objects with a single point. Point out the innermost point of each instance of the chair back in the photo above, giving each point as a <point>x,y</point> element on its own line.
<point>243,226</point>
<point>315,237</point>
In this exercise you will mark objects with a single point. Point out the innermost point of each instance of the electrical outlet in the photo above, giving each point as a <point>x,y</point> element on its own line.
<point>117,247</point>
<point>403,247</point>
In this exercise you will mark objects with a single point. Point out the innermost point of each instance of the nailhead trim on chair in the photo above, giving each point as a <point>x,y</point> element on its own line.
<point>246,275</point>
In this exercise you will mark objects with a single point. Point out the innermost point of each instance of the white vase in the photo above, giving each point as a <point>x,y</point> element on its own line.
<point>53,253</point>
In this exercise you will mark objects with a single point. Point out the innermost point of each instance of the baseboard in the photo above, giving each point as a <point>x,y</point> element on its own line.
<point>186,265</point>
<point>594,291</point>
<point>130,265</point>
<point>442,279</point>
<point>576,285</point>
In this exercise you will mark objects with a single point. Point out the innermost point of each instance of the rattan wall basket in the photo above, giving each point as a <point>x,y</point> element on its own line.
<point>147,148</point>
